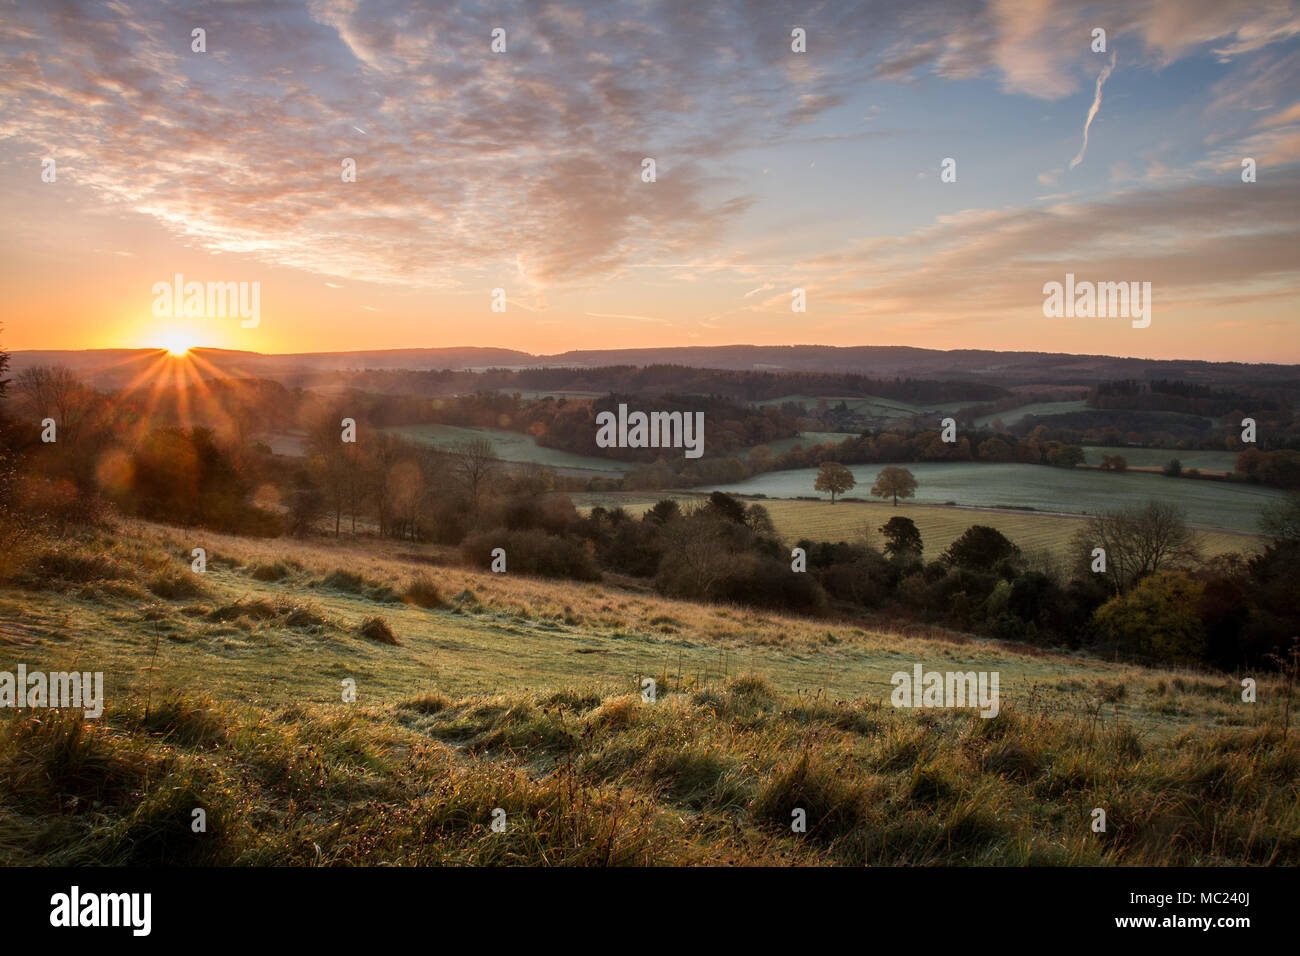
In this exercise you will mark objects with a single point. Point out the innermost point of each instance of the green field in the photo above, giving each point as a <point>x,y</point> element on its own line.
<point>1222,505</point>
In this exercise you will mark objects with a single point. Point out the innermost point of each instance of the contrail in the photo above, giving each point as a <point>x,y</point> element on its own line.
<point>1096,105</point>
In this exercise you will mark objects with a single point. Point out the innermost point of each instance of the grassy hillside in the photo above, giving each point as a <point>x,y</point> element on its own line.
<point>224,693</point>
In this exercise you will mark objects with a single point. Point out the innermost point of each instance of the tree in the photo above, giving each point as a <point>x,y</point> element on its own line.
<point>995,449</point>
<point>696,557</point>
<point>1113,463</point>
<point>329,469</point>
<point>1173,468</point>
<point>4,367</point>
<point>980,548</point>
<point>473,462</point>
<point>835,478</point>
<point>1138,542</point>
<point>1157,620</point>
<point>1067,456</point>
<point>54,391</point>
<point>306,505</point>
<point>726,507</point>
<point>895,481</point>
<point>663,512</point>
<point>902,538</point>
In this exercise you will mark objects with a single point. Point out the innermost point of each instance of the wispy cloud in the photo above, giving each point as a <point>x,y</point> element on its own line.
<point>1102,77</point>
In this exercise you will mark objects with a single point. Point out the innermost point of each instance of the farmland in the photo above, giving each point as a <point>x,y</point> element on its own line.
<point>1226,506</point>
<point>1159,457</point>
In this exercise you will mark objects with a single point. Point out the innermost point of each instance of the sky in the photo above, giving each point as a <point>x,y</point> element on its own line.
<point>775,170</point>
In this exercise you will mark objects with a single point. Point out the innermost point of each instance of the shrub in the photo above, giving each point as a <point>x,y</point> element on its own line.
<point>344,581</point>
<point>422,592</point>
<point>171,586</point>
<point>535,552</point>
<point>376,629</point>
<point>269,572</point>
<point>1157,620</point>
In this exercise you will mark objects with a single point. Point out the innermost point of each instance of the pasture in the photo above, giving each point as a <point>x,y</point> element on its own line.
<point>1220,505</point>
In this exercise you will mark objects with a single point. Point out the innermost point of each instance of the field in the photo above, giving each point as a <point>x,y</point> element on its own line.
<point>1209,504</point>
<point>807,440</point>
<point>1159,457</point>
<point>511,446</point>
<point>939,525</point>
<point>515,447</point>
<point>881,409</point>
<point>1014,415</point>
<point>223,692</point>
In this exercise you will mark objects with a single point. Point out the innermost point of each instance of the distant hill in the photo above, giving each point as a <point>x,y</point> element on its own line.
<point>119,366</point>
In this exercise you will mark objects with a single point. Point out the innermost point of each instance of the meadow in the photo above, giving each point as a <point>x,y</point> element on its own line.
<point>1226,506</point>
<point>477,691</point>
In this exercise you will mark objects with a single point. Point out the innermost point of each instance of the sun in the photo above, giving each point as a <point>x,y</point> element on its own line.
<point>177,344</point>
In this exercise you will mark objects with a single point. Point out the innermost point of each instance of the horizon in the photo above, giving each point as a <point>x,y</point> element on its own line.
<point>637,348</point>
<point>523,170</point>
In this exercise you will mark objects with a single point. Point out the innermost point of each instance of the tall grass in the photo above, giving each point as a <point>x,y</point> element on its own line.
<point>696,778</point>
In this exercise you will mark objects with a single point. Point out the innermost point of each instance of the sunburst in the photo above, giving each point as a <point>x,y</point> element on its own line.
<point>177,344</point>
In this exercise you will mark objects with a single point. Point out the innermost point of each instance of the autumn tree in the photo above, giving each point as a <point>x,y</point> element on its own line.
<point>835,478</point>
<point>896,482</point>
<point>1157,620</point>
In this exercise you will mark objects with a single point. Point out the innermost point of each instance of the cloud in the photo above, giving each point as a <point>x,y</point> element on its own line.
<point>1196,243</point>
<point>1092,110</point>
<point>523,169</point>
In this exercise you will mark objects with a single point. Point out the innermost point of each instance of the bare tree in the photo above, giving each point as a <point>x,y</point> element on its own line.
<point>1139,541</point>
<point>53,391</point>
<point>325,447</point>
<point>473,463</point>
<point>696,556</point>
